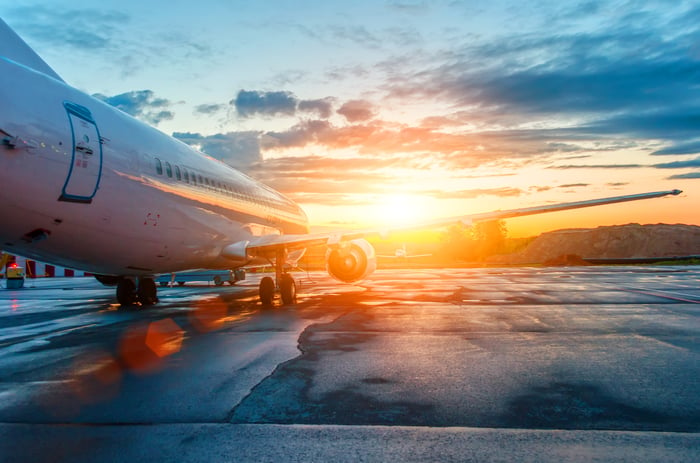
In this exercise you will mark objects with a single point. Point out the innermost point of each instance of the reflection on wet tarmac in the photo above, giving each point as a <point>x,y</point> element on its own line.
<point>575,349</point>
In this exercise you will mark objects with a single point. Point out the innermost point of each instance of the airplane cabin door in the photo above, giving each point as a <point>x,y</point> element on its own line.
<point>86,164</point>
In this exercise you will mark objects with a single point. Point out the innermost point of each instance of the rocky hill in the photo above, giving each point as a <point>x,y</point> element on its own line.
<point>612,242</point>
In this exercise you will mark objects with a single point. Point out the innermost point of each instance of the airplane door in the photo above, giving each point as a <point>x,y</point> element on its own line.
<point>86,164</point>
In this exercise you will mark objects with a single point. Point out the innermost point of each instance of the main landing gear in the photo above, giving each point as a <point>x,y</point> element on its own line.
<point>128,293</point>
<point>285,283</point>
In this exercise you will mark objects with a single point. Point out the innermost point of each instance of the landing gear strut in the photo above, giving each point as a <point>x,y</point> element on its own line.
<point>284,282</point>
<point>128,294</point>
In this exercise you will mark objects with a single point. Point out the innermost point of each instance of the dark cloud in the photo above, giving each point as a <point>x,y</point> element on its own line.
<point>141,104</point>
<point>692,147</point>
<point>279,103</point>
<point>357,110</point>
<point>209,108</point>
<point>684,176</point>
<point>679,164</point>
<point>322,107</point>
<point>574,185</point>
<point>238,149</point>
<point>634,77</point>
<point>254,103</point>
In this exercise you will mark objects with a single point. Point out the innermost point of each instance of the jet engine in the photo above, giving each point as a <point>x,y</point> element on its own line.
<point>351,261</point>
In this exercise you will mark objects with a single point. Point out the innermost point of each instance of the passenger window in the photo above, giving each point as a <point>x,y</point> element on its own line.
<point>159,167</point>
<point>168,169</point>
<point>177,173</point>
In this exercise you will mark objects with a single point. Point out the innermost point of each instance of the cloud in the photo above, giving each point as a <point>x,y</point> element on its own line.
<point>573,185</point>
<point>240,150</point>
<point>141,104</point>
<point>253,103</point>
<point>86,28</point>
<point>85,36</point>
<point>634,77</point>
<point>474,193</point>
<point>684,176</point>
<point>357,110</point>
<point>679,164</point>
<point>359,35</point>
<point>279,103</point>
<point>209,108</point>
<point>598,166</point>
<point>322,107</point>
<point>692,147</point>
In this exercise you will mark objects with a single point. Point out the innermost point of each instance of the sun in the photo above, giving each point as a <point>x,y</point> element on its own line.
<point>399,209</point>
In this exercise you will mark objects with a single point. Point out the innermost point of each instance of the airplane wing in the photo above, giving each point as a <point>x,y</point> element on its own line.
<point>268,245</point>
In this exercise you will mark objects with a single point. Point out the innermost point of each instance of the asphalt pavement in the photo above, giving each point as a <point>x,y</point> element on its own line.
<point>517,364</point>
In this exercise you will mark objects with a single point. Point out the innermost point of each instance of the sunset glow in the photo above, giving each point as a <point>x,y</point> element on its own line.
<point>401,111</point>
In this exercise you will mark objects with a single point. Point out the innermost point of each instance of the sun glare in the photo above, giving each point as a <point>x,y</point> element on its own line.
<point>400,209</point>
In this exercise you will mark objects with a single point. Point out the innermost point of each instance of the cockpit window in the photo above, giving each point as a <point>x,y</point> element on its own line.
<point>159,167</point>
<point>177,173</point>
<point>168,169</point>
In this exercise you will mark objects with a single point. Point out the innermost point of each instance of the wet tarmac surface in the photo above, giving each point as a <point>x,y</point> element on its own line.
<point>527,364</point>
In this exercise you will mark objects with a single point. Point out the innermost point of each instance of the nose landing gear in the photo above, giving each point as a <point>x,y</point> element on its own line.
<point>285,283</point>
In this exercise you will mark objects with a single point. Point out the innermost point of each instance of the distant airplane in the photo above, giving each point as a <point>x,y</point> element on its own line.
<point>402,253</point>
<point>84,185</point>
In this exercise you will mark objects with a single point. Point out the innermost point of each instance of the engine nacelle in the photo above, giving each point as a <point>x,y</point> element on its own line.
<point>351,261</point>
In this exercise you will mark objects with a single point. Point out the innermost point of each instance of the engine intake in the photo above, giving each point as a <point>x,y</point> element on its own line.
<point>351,261</point>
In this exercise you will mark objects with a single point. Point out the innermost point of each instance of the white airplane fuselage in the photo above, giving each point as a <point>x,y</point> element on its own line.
<point>87,186</point>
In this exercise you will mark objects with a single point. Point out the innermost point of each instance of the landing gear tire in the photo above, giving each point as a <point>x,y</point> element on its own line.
<point>267,291</point>
<point>147,292</point>
<point>126,292</point>
<point>288,289</point>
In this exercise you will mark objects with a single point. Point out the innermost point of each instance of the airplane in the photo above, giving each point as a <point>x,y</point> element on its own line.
<point>86,186</point>
<point>402,253</point>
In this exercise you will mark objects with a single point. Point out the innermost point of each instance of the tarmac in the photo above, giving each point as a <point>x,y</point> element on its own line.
<point>513,364</point>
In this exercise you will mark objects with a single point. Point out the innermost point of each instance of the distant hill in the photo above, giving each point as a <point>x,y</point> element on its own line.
<point>610,242</point>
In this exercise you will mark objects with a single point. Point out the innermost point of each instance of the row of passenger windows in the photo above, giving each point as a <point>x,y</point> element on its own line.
<point>193,178</point>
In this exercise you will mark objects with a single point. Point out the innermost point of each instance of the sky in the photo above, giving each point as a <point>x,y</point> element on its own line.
<point>398,111</point>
